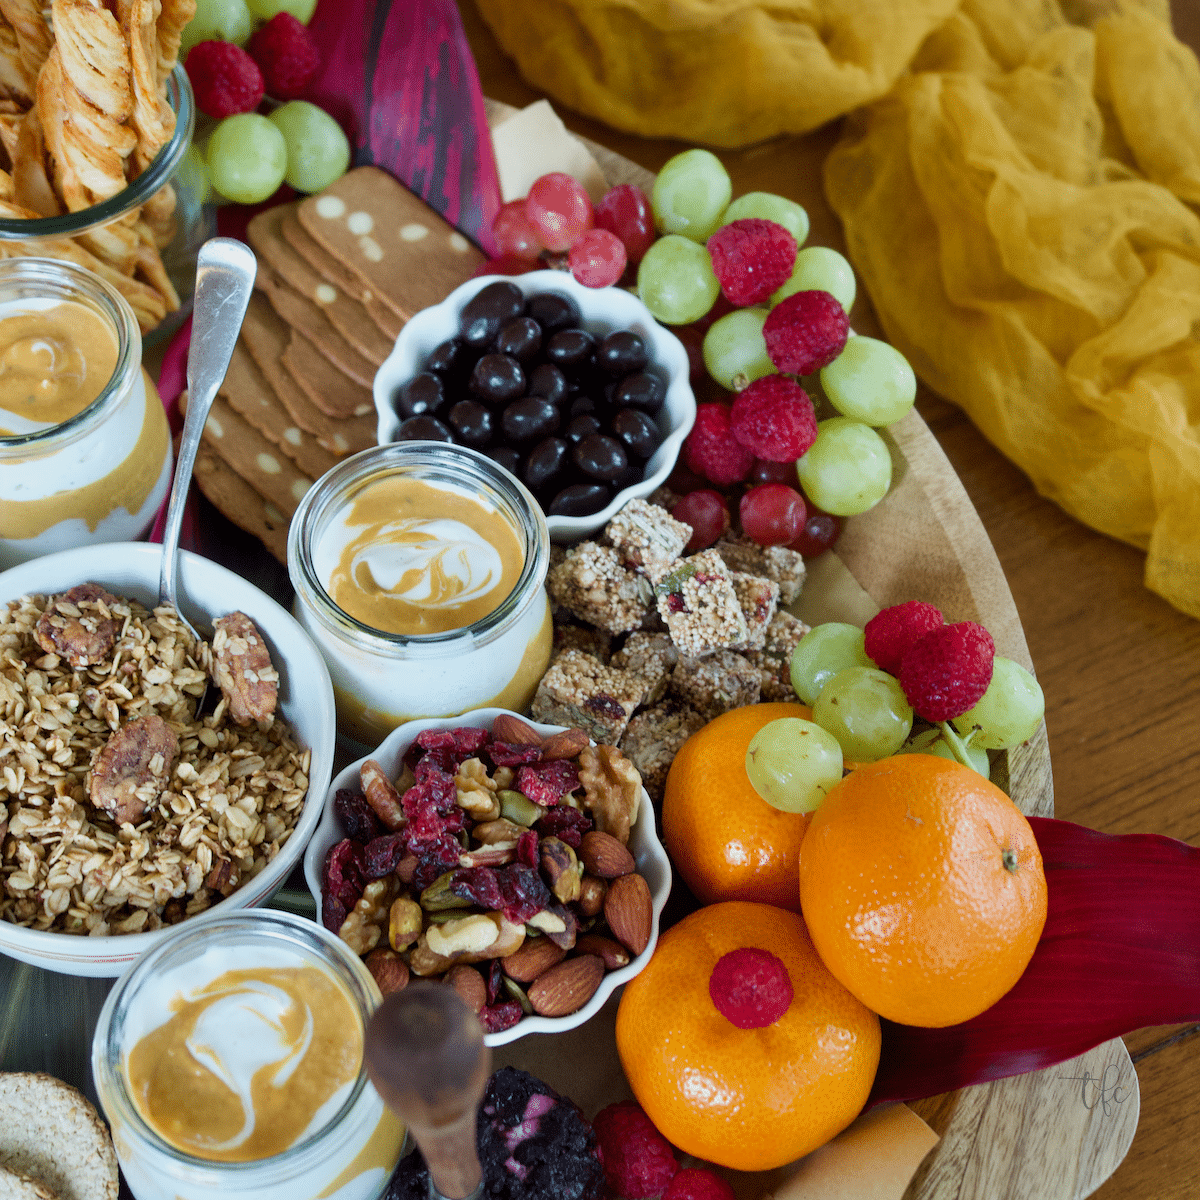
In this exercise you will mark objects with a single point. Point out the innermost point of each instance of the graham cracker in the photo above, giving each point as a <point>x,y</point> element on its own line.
<point>307,318</point>
<point>347,315</point>
<point>335,273</point>
<point>266,337</point>
<point>406,254</point>
<point>252,398</point>
<point>234,498</point>
<point>259,462</point>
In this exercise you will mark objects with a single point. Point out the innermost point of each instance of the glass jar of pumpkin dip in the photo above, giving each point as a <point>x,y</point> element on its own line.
<point>85,451</point>
<point>419,570</point>
<point>229,1063</point>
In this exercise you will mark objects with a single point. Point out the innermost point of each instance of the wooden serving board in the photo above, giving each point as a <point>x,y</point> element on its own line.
<point>1055,1134</point>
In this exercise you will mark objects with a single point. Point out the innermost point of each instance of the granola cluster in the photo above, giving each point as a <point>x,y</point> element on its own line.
<point>497,861</point>
<point>120,811</point>
<point>651,643</point>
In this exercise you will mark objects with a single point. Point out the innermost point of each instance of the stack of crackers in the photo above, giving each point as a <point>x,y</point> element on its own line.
<point>339,273</point>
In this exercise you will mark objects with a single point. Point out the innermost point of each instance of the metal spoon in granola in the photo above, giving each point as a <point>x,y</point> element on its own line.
<point>225,270</point>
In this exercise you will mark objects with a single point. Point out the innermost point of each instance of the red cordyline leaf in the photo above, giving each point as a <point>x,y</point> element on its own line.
<point>1120,951</point>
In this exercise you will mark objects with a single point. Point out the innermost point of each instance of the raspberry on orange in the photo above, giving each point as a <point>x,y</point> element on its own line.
<point>923,888</point>
<point>747,1098</point>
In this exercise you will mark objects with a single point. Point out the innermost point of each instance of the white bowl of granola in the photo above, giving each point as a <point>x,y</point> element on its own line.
<point>220,825</point>
<point>623,851</point>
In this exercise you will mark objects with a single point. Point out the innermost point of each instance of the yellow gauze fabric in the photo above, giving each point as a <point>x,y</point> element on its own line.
<point>1019,209</point>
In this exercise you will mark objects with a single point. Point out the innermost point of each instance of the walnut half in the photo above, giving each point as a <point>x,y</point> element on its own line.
<point>613,788</point>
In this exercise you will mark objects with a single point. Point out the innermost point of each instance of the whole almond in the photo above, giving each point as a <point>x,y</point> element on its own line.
<point>601,854</point>
<point>614,955</point>
<point>507,728</point>
<point>629,911</point>
<point>470,986</point>
<point>592,890</point>
<point>568,743</point>
<point>535,956</point>
<point>388,970</point>
<point>566,988</point>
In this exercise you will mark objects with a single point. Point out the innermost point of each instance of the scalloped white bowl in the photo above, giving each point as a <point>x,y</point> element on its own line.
<point>603,310</point>
<point>206,589</point>
<point>647,850</point>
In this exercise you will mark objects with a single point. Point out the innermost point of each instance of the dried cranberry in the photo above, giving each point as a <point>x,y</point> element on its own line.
<point>479,885</point>
<point>357,817</point>
<point>527,849</point>
<point>436,739</point>
<point>344,873</point>
<point>468,741</point>
<point>382,855</point>
<point>435,857</point>
<point>494,979</point>
<point>548,783</point>
<point>440,758</point>
<point>524,892</point>
<point>496,1018</point>
<point>508,754</point>
<point>565,823</point>
<point>333,913</point>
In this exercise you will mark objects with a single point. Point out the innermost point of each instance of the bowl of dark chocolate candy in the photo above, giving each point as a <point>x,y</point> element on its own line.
<point>577,391</point>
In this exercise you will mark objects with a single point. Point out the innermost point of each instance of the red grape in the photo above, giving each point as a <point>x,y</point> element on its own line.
<point>515,233</point>
<point>506,264</point>
<point>597,259</point>
<point>772,514</point>
<point>693,342</point>
<point>560,209</point>
<point>704,510</point>
<point>764,471</point>
<point>821,530</point>
<point>625,211</point>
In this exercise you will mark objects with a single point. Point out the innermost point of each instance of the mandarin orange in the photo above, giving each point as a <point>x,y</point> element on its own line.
<point>750,1098</point>
<point>923,889</point>
<point>725,840</point>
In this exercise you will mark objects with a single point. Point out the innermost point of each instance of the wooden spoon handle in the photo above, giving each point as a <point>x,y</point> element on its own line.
<point>425,1054</point>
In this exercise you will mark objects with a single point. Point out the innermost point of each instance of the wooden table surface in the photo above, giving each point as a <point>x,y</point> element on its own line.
<point>1119,666</point>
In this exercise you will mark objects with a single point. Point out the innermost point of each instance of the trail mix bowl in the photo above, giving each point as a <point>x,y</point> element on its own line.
<point>215,813</point>
<point>585,886</point>
<point>659,392</point>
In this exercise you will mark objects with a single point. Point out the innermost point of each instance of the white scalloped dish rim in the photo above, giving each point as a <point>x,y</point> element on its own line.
<point>603,310</point>
<point>652,862</point>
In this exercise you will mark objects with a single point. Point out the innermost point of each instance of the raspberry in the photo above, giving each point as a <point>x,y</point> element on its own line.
<point>805,332</point>
<point>947,670</point>
<point>224,78</point>
<point>711,449</point>
<point>774,418</point>
<point>638,1160</point>
<point>287,55</point>
<point>892,632</point>
<point>751,988</point>
<point>751,259</point>
<point>698,1183</point>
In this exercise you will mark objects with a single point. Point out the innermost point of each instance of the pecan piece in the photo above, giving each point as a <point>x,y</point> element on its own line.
<point>222,878</point>
<point>133,768</point>
<point>612,787</point>
<point>82,637</point>
<point>381,795</point>
<point>243,670</point>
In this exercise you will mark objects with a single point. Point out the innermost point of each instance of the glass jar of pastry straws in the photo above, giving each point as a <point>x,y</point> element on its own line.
<point>143,240</point>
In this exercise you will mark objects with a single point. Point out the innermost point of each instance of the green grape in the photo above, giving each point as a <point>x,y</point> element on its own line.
<point>792,764</point>
<point>820,269</point>
<point>676,281</point>
<point>847,470</point>
<point>192,176</point>
<point>932,741</point>
<point>870,381</point>
<point>216,20</point>
<point>302,10</point>
<point>768,207</point>
<point>734,350</point>
<point>821,653</point>
<point>317,149</point>
<point>866,710</point>
<point>247,158</point>
<point>690,194</point>
<point>1009,712</point>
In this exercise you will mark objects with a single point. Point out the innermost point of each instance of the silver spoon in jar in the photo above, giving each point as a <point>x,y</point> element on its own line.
<point>225,270</point>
